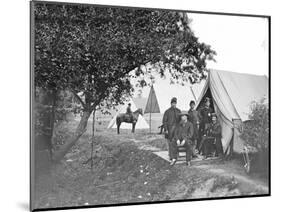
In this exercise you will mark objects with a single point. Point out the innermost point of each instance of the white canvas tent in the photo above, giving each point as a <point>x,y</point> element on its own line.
<point>232,95</point>
<point>141,123</point>
<point>160,95</point>
<point>164,90</point>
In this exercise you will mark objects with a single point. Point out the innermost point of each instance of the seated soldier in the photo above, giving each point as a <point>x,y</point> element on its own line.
<point>204,114</point>
<point>182,138</point>
<point>211,140</point>
<point>129,111</point>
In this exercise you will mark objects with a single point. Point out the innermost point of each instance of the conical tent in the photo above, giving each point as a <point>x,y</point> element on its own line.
<point>141,123</point>
<point>152,105</point>
<point>140,102</point>
<point>232,94</point>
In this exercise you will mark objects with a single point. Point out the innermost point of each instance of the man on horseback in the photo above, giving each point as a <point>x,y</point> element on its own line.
<point>128,117</point>
<point>129,113</point>
<point>129,110</point>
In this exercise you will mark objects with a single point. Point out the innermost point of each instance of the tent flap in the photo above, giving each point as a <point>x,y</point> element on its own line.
<point>232,95</point>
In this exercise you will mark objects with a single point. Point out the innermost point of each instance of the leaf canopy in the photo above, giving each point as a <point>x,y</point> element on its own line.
<point>92,50</point>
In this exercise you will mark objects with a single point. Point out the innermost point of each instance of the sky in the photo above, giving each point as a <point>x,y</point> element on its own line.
<point>241,43</point>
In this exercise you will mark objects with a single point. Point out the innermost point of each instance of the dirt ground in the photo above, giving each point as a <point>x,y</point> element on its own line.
<point>126,170</point>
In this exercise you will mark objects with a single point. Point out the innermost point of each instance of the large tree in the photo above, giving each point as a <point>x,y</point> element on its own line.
<point>94,51</point>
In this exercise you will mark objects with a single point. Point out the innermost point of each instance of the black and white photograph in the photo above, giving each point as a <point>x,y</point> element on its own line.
<point>136,105</point>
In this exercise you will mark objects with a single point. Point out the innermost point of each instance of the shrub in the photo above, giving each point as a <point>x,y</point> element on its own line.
<point>256,130</point>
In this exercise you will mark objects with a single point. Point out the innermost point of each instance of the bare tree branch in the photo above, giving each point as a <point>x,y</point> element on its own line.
<point>78,98</point>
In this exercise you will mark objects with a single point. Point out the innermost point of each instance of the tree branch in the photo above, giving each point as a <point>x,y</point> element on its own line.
<point>78,98</point>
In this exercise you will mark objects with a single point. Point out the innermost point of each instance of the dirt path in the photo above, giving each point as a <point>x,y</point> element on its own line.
<point>228,169</point>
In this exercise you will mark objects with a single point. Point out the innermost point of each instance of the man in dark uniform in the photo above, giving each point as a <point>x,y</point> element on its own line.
<point>204,114</point>
<point>170,120</point>
<point>211,142</point>
<point>182,137</point>
<point>129,111</point>
<point>194,119</point>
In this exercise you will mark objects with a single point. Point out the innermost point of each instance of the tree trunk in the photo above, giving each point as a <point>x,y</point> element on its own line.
<point>52,119</point>
<point>82,127</point>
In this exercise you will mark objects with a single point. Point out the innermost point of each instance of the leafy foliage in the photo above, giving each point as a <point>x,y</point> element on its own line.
<point>91,50</point>
<point>95,52</point>
<point>256,130</point>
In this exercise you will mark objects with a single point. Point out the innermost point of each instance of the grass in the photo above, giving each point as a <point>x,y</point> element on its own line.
<point>123,173</point>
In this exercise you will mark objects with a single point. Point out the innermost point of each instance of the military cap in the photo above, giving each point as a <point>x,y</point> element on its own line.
<point>174,100</point>
<point>191,102</point>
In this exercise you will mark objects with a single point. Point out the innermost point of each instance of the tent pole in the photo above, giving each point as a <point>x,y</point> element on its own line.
<point>150,112</point>
<point>150,122</point>
<point>193,93</point>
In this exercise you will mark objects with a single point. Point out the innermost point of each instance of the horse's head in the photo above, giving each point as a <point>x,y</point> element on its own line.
<point>139,111</point>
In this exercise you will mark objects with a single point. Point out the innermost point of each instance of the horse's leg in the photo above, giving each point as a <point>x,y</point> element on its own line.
<point>118,127</point>
<point>133,127</point>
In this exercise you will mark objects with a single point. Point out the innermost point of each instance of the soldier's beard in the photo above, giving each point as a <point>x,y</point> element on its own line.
<point>183,121</point>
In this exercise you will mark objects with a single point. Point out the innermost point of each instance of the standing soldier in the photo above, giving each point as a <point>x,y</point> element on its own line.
<point>170,120</point>
<point>205,118</point>
<point>194,119</point>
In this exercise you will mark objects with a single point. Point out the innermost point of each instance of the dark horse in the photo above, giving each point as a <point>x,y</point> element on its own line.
<point>124,117</point>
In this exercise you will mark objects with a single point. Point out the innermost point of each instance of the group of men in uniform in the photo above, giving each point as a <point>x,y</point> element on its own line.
<point>198,132</point>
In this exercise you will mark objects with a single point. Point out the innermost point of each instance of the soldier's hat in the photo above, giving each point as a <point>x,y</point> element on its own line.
<point>129,104</point>
<point>174,100</point>
<point>184,113</point>
<point>191,102</point>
